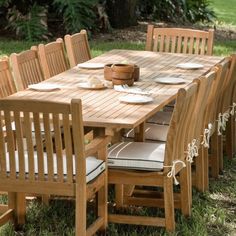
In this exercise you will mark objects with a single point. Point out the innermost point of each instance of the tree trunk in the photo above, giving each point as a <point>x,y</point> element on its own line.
<point>122,13</point>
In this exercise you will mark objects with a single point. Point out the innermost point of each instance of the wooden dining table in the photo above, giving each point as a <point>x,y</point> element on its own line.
<point>102,108</point>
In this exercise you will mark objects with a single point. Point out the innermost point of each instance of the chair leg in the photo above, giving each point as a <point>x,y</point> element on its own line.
<point>215,155</point>
<point>102,206</point>
<point>186,190</point>
<point>45,199</point>
<point>206,169</point>
<point>229,138</point>
<point>220,148</point>
<point>169,204</point>
<point>119,195</point>
<point>17,202</point>
<point>80,210</point>
<point>199,162</point>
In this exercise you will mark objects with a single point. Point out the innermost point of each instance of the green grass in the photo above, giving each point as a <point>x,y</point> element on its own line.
<point>225,11</point>
<point>98,47</point>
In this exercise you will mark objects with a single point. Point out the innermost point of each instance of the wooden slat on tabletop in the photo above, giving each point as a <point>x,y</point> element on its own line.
<point>102,107</point>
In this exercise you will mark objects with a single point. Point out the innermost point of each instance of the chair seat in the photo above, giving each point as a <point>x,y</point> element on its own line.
<point>153,131</point>
<point>94,166</point>
<point>162,118</point>
<point>137,155</point>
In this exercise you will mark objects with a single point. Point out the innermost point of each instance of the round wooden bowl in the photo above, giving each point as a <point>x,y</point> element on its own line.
<point>120,68</point>
<point>136,73</point>
<point>122,75</point>
<point>129,82</point>
<point>108,72</point>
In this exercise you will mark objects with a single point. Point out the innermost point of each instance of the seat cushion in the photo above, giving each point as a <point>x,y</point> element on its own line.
<point>154,132</point>
<point>94,166</point>
<point>161,117</point>
<point>137,155</point>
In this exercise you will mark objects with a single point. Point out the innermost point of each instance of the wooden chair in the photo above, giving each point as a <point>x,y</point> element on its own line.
<point>7,85</point>
<point>77,48</point>
<point>155,164</point>
<point>52,58</point>
<point>179,40</point>
<point>26,68</point>
<point>230,101</point>
<point>48,169</point>
<point>225,108</point>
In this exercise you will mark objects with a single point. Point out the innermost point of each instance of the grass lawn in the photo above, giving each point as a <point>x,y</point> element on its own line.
<point>225,11</point>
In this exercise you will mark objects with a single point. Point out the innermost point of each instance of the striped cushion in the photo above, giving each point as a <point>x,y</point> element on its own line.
<point>94,166</point>
<point>162,118</point>
<point>137,155</point>
<point>152,132</point>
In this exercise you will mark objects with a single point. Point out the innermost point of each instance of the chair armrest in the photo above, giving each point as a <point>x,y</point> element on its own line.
<point>96,144</point>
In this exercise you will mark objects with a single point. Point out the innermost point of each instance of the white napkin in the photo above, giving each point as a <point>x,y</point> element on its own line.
<point>127,89</point>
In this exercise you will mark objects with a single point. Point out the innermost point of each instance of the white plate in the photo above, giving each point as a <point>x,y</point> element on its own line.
<point>85,85</point>
<point>189,66</point>
<point>135,99</point>
<point>169,80</point>
<point>90,65</point>
<point>44,87</point>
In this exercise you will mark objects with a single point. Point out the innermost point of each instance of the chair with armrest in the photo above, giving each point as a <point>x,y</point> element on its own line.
<point>77,48</point>
<point>45,167</point>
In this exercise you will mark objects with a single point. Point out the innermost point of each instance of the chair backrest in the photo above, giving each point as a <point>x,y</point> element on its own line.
<point>77,48</point>
<point>178,40</point>
<point>52,58</point>
<point>175,143</point>
<point>41,156</point>
<point>199,114</point>
<point>7,85</point>
<point>218,87</point>
<point>228,92</point>
<point>26,68</point>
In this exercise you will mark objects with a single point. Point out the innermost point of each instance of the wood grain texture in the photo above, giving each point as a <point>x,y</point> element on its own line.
<point>101,108</point>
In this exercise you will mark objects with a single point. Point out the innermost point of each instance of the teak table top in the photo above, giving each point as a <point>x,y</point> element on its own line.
<point>101,108</point>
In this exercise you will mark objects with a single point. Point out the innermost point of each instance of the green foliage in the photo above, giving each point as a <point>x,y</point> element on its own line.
<point>77,14</point>
<point>176,10</point>
<point>31,26</point>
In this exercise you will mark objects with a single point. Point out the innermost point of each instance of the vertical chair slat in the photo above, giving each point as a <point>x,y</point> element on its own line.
<point>29,145</point>
<point>68,147</point>
<point>185,45</point>
<point>20,144</point>
<point>39,145</point>
<point>2,149</point>
<point>203,46</point>
<point>58,147</point>
<point>197,45</point>
<point>191,46</point>
<point>49,145</point>
<point>10,144</point>
<point>173,44</point>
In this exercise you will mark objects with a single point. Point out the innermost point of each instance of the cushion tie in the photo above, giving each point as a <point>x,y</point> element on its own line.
<point>206,136</point>
<point>232,112</point>
<point>222,119</point>
<point>172,173</point>
<point>192,151</point>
